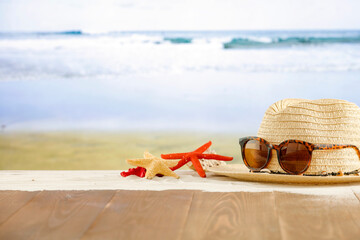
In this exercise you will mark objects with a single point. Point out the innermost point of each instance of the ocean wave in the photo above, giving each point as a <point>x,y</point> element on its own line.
<point>221,39</point>
<point>178,40</point>
<point>246,42</point>
<point>71,32</point>
<point>20,35</point>
<point>166,53</point>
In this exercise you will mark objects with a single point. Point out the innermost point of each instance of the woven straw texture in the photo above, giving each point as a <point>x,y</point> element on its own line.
<point>323,121</point>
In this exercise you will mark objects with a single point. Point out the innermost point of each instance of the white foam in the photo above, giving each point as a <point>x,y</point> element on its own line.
<point>261,39</point>
<point>137,54</point>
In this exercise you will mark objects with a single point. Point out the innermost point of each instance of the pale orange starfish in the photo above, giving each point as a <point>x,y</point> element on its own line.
<point>154,165</point>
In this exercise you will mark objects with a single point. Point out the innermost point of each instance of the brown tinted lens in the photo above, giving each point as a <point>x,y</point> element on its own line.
<point>255,154</point>
<point>294,158</point>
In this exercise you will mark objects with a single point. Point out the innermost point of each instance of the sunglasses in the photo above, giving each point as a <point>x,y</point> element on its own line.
<point>294,156</point>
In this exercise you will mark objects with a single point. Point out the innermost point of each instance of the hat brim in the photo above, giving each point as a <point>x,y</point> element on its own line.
<point>241,172</point>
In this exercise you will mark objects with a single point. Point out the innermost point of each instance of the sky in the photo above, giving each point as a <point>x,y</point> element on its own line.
<point>111,15</point>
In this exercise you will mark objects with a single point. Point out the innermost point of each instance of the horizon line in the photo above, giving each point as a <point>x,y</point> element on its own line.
<point>84,31</point>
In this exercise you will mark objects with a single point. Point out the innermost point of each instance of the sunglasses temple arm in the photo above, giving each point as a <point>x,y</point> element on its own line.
<point>336,146</point>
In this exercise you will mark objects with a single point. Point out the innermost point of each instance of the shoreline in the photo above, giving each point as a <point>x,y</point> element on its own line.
<point>99,150</point>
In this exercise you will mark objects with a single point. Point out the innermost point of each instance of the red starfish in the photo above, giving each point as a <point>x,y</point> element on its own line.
<point>139,171</point>
<point>194,158</point>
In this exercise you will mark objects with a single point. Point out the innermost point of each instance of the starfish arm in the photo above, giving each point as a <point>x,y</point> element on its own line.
<point>148,155</point>
<point>173,155</point>
<point>150,173</point>
<point>171,163</point>
<point>181,163</point>
<point>168,172</point>
<point>203,148</point>
<point>142,172</point>
<point>196,163</point>
<point>141,162</point>
<point>215,156</point>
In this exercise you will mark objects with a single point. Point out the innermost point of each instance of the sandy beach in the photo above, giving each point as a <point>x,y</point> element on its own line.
<point>101,150</point>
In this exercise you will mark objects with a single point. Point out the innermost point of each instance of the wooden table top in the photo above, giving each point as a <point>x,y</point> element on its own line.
<point>178,214</point>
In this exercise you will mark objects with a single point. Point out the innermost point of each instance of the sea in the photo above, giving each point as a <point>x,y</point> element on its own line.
<point>221,81</point>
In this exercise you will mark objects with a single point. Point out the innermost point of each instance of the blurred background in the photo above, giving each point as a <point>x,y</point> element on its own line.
<point>87,84</point>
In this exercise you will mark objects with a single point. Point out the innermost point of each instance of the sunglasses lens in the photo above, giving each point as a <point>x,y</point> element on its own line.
<point>255,154</point>
<point>294,158</point>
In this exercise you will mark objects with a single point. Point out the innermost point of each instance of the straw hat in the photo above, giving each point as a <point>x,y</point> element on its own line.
<point>323,121</point>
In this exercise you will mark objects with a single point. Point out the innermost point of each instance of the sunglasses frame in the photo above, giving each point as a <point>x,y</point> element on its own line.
<point>309,146</point>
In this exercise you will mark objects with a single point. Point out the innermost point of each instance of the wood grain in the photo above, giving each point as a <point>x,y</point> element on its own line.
<point>241,215</point>
<point>357,195</point>
<point>318,217</point>
<point>12,201</point>
<point>142,215</point>
<point>56,215</point>
<point>178,214</point>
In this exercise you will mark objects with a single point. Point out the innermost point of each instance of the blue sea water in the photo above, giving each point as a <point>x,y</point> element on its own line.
<point>204,80</point>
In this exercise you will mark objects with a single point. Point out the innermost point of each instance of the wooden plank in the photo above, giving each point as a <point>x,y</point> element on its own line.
<point>318,217</point>
<point>177,214</point>
<point>357,194</point>
<point>240,215</point>
<point>12,201</point>
<point>142,215</point>
<point>56,215</point>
